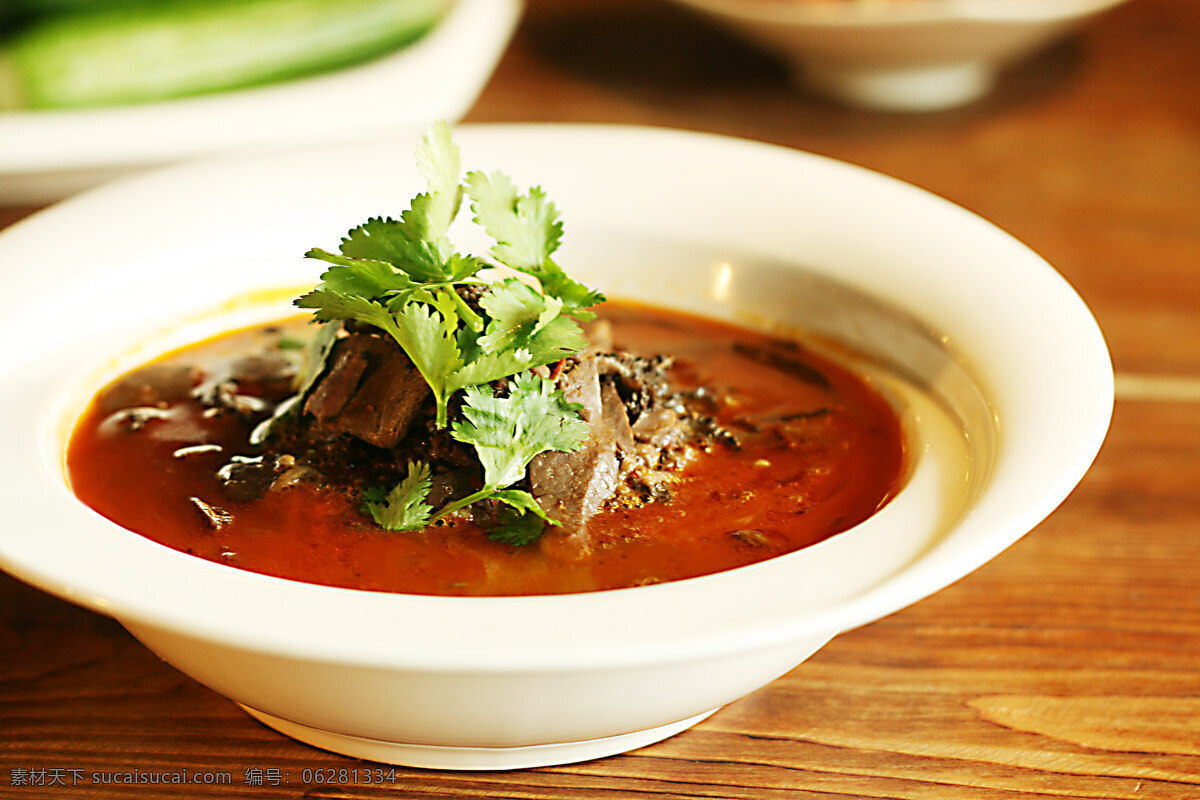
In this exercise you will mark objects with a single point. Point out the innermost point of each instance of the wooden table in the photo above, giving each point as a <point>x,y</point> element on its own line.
<point>1068,667</point>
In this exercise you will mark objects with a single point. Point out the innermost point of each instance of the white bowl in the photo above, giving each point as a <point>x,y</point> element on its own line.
<point>47,155</point>
<point>901,55</point>
<point>1008,381</point>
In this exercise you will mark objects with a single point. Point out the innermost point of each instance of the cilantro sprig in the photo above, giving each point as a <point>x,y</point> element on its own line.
<point>507,433</point>
<point>403,277</point>
<point>404,507</point>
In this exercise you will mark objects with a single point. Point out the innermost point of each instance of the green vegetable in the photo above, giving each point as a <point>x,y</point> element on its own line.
<point>404,507</point>
<point>527,231</point>
<point>143,51</point>
<point>403,276</point>
<point>37,9</point>
<point>46,7</point>
<point>508,432</point>
<point>15,13</point>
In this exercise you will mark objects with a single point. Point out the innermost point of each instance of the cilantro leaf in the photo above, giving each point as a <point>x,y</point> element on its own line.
<point>404,507</point>
<point>400,243</point>
<point>520,522</point>
<point>360,276</point>
<point>426,337</point>
<point>522,502</point>
<point>332,305</point>
<point>526,227</point>
<point>527,231</point>
<point>439,162</point>
<point>517,340</point>
<point>559,338</point>
<point>517,312</point>
<point>490,367</point>
<point>416,244</point>
<point>575,295</point>
<point>508,432</point>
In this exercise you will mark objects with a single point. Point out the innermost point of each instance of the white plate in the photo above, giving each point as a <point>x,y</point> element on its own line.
<point>46,155</point>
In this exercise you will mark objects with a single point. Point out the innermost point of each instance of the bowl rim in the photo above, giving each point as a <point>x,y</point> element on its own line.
<point>900,13</point>
<point>591,630</point>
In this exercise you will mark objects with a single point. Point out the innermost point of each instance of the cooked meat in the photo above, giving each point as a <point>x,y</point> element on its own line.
<point>641,433</point>
<point>245,478</point>
<point>343,373</point>
<point>662,428</point>
<point>370,390</point>
<point>155,385</point>
<point>269,373</point>
<point>642,382</point>
<point>226,396</point>
<point>571,487</point>
<point>614,417</point>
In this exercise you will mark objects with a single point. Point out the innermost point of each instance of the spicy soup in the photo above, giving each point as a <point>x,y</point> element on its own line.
<point>813,450</point>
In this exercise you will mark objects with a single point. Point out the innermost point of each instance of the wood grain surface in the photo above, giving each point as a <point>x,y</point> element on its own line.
<point>1069,667</point>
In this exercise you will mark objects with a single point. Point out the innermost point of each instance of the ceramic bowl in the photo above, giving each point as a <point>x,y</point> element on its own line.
<point>901,55</point>
<point>47,155</point>
<point>1002,376</point>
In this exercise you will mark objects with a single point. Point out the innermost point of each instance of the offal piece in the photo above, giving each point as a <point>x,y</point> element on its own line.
<point>370,390</point>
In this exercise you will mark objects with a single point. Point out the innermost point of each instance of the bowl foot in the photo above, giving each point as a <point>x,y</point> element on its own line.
<point>472,758</point>
<point>902,88</point>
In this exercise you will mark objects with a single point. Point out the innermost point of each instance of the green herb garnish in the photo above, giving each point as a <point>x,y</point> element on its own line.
<point>508,432</point>
<point>403,277</point>
<point>403,508</point>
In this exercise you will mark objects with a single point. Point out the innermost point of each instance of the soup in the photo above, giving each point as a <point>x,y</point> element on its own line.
<point>794,449</point>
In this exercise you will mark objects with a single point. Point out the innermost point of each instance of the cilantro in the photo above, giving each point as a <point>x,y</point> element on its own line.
<point>439,163</point>
<point>404,507</point>
<point>508,432</point>
<point>527,231</point>
<point>517,312</point>
<point>526,227</point>
<point>516,527</point>
<point>403,277</point>
<point>424,334</point>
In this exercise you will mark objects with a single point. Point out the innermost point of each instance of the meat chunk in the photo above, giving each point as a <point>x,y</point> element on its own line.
<point>268,373</point>
<point>614,417</point>
<point>571,487</point>
<point>370,390</point>
<point>642,382</point>
<point>157,385</point>
<point>640,435</point>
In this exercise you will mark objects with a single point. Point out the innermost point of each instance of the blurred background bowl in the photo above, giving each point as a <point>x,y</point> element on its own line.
<point>900,55</point>
<point>48,154</point>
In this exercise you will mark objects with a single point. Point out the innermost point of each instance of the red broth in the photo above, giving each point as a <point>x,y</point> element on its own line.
<point>816,458</point>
